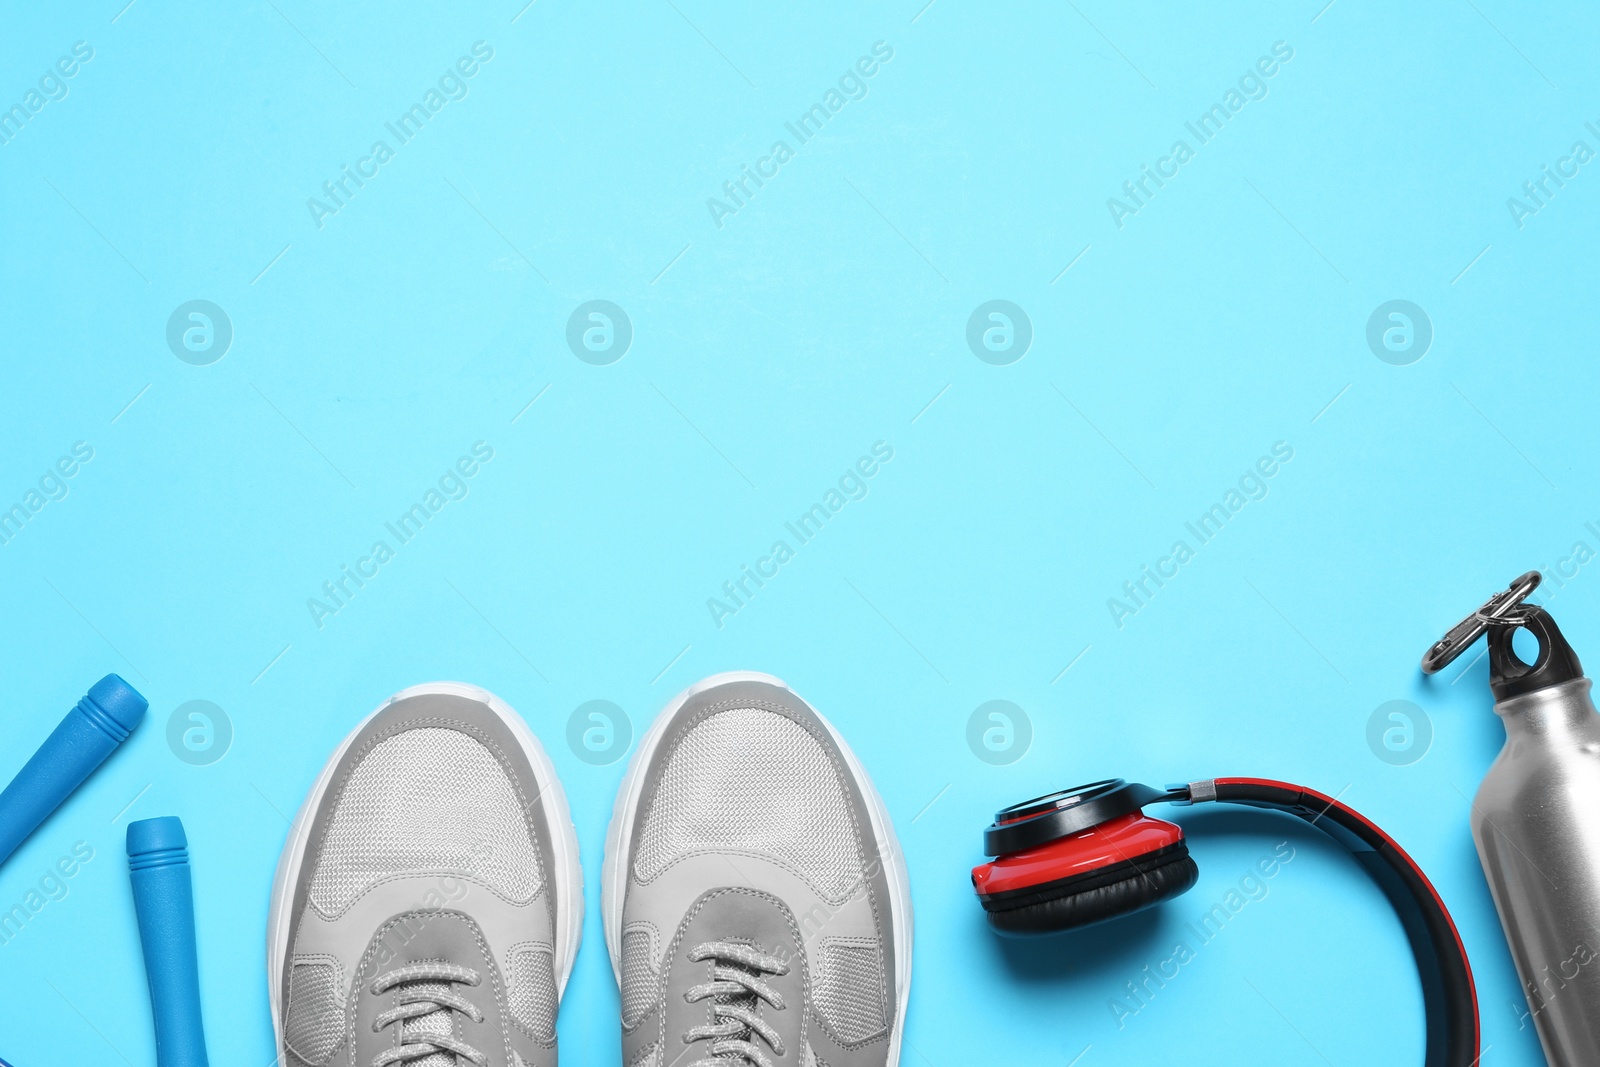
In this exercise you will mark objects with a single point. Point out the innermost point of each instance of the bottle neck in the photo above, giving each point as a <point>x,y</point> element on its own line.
<point>1553,712</point>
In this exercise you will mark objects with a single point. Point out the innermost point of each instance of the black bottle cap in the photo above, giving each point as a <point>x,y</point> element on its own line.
<point>1509,676</point>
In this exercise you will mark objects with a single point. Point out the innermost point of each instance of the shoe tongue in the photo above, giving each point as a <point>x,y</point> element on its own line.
<point>411,948</point>
<point>433,1024</point>
<point>745,917</point>
<point>745,999</point>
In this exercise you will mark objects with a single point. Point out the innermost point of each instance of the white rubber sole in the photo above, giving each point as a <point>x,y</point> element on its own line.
<point>619,844</point>
<point>568,873</point>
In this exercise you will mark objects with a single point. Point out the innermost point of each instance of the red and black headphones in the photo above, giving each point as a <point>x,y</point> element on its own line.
<point>1088,854</point>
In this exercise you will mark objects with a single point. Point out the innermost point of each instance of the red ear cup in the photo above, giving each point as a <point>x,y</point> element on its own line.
<point>1116,868</point>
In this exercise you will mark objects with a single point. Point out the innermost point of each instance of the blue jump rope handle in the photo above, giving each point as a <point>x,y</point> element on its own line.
<point>90,732</point>
<point>158,866</point>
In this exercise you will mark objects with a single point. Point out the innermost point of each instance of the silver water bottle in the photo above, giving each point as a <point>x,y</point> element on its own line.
<point>1536,820</point>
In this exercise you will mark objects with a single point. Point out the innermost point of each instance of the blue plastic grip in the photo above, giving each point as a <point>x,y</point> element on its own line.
<point>163,897</point>
<point>101,721</point>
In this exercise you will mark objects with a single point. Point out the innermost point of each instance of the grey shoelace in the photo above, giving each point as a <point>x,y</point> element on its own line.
<point>426,989</point>
<point>740,990</point>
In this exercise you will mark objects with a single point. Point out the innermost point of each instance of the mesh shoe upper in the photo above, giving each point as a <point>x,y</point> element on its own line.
<point>428,800</point>
<point>752,830</point>
<point>751,780</point>
<point>424,909</point>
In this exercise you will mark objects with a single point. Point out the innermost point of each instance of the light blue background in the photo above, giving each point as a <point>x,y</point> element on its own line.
<point>827,314</point>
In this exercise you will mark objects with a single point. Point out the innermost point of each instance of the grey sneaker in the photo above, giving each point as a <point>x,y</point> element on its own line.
<point>755,899</point>
<point>428,904</point>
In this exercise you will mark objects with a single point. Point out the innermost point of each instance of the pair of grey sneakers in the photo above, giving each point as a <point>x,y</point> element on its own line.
<point>429,903</point>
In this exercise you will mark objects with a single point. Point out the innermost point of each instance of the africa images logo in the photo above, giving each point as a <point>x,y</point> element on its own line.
<point>453,484</point>
<point>853,484</point>
<point>51,486</point>
<point>1251,85</point>
<point>451,85</point>
<point>199,332</point>
<point>737,192</point>
<point>1139,591</point>
<point>599,332</point>
<point>51,86</point>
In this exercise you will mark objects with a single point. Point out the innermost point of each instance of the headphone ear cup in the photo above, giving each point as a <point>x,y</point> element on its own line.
<point>1120,888</point>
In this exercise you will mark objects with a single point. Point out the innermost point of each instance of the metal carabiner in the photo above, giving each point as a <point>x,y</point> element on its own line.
<point>1502,607</point>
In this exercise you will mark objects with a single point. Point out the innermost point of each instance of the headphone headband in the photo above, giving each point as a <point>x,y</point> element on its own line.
<point>1087,854</point>
<point>1449,996</point>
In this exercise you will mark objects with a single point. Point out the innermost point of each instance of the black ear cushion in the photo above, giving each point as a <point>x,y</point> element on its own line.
<point>1083,899</point>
